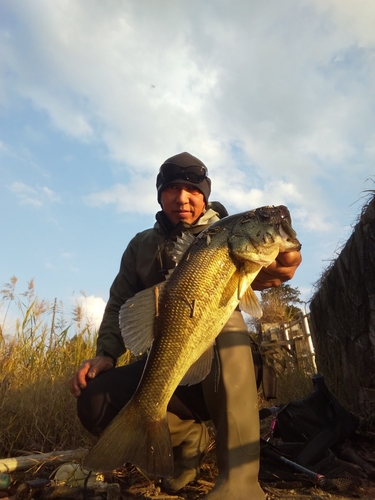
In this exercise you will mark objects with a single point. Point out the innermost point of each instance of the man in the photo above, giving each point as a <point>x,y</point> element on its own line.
<point>228,395</point>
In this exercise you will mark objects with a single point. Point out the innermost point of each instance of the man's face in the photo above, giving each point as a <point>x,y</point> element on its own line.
<point>182,202</point>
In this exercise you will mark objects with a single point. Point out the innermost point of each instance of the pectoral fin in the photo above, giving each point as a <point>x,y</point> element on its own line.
<point>249,303</point>
<point>230,289</point>
<point>137,317</point>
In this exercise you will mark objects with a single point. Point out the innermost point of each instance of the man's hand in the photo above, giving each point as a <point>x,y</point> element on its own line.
<point>282,269</point>
<point>89,369</point>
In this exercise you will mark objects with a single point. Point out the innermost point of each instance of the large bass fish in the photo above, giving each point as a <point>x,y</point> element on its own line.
<point>181,318</point>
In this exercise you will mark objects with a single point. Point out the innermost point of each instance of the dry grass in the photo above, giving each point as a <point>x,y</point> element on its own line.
<point>293,384</point>
<point>37,411</point>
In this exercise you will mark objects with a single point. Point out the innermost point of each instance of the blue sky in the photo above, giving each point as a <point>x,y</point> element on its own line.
<point>277,98</point>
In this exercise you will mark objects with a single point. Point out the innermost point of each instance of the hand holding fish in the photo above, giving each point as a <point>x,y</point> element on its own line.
<point>282,269</point>
<point>89,369</point>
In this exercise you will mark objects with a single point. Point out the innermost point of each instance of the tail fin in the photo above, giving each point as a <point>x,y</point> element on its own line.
<point>143,442</point>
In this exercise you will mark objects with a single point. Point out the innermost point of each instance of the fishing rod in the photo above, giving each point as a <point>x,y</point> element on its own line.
<point>269,451</point>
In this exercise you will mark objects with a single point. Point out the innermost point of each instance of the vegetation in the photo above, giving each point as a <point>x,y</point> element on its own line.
<point>38,355</point>
<point>278,304</point>
<point>37,358</point>
<point>37,412</point>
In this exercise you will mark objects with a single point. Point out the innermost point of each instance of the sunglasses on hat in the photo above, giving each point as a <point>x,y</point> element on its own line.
<point>193,173</point>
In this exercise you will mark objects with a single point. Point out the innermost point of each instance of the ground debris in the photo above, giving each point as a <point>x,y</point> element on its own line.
<point>279,484</point>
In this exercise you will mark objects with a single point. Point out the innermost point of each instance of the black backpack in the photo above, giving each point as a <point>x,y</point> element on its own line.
<point>317,423</point>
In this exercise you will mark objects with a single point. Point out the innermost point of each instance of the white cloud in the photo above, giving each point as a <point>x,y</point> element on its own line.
<point>49,194</point>
<point>277,98</point>
<point>92,309</point>
<point>356,18</point>
<point>139,195</point>
<point>123,69</point>
<point>26,194</point>
<point>151,85</point>
<point>67,255</point>
<point>8,321</point>
<point>36,197</point>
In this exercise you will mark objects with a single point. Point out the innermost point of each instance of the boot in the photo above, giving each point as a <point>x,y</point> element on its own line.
<point>232,400</point>
<point>189,440</point>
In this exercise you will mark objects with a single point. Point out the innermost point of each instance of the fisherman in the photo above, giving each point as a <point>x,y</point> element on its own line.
<point>228,395</point>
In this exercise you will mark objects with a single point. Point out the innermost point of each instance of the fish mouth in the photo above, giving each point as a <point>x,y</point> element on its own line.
<point>286,229</point>
<point>287,232</point>
<point>285,226</point>
<point>279,217</point>
<point>286,223</point>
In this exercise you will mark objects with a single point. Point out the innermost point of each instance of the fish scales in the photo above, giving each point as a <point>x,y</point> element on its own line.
<point>177,308</point>
<point>214,274</point>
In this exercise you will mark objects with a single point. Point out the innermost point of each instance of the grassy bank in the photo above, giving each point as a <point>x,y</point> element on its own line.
<point>43,350</point>
<point>37,358</point>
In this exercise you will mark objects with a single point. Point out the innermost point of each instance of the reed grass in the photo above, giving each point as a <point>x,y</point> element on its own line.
<point>37,359</point>
<point>43,350</point>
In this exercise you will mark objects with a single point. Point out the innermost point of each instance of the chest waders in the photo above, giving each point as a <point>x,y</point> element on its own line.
<point>231,397</point>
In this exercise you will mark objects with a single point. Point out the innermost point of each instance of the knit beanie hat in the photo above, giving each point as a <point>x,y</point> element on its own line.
<point>184,168</point>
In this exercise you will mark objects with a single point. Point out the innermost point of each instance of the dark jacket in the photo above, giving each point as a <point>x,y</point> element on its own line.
<point>145,263</point>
